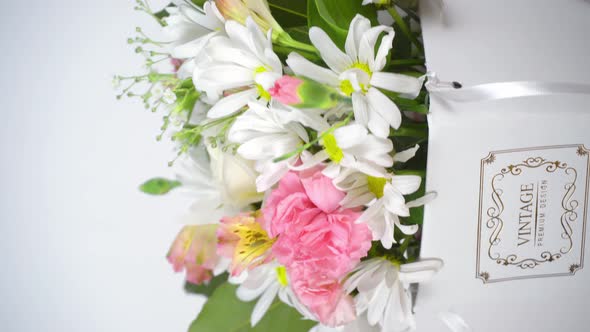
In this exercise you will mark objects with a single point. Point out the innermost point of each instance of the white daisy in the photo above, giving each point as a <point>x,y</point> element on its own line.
<point>242,65</point>
<point>383,291</point>
<point>265,282</point>
<point>358,73</point>
<point>190,28</point>
<point>265,134</point>
<point>384,196</point>
<point>353,147</point>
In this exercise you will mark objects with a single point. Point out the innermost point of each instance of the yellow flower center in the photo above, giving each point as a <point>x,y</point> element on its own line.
<point>254,241</point>
<point>261,91</point>
<point>332,149</point>
<point>376,185</point>
<point>282,276</point>
<point>362,66</point>
<point>346,86</point>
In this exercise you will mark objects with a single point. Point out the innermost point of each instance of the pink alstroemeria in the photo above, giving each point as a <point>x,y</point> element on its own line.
<point>193,250</point>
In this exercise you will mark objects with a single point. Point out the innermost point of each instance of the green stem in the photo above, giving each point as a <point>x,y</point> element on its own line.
<point>312,142</point>
<point>301,46</point>
<point>313,57</point>
<point>404,246</point>
<point>405,29</point>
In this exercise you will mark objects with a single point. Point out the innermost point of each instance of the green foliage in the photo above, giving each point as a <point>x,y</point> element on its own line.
<point>159,186</point>
<point>334,16</point>
<point>206,289</point>
<point>225,312</point>
<point>187,96</point>
<point>289,13</point>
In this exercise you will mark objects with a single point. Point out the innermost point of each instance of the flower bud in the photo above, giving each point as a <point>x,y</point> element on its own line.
<point>304,93</point>
<point>239,10</point>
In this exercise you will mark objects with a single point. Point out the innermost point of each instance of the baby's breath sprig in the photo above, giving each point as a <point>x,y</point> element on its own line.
<point>143,6</point>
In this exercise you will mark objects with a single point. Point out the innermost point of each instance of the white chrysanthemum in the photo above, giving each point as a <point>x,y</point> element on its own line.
<point>383,291</point>
<point>190,28</point>
<point>358,73</point>
<point>220,184</point>
<point>265,134</point>
<point>242,64</point>
<point>384,196</point>
<point>265,282</point>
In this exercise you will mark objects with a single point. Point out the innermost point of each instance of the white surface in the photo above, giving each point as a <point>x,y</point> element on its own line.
<point>82,248</point>
<point>494,41</point>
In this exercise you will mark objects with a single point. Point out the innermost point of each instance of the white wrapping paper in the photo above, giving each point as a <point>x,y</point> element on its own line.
<point>513,244</point>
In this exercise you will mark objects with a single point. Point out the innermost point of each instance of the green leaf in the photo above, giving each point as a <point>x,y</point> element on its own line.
<point>334,16</point>
<point>158,186</point>
<point>224,312</point>
<point>289,13</point>
<point>206,289</point>
<point>299,33</point>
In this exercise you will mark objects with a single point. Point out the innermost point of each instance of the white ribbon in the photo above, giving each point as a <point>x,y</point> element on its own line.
<point>454,91</point>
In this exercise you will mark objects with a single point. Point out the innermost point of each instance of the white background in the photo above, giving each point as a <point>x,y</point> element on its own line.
<point>82,248</point>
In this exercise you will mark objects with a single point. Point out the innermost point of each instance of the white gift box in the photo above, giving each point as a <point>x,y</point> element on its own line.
<point>512,175</point>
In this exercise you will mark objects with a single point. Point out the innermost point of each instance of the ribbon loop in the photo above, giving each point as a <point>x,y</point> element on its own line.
<point>454,91</point>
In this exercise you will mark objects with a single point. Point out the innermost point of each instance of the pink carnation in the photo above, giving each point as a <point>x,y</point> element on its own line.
<point>317,240</point>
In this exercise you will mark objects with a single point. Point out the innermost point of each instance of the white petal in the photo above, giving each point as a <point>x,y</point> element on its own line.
<point>232,103</point>
<point>350,135</point>
<point>406,229</point>
<point>397,83</point>
<point>387,238</point>
<point>248,294</point>
<point>303,67</point>
<point>312,161</point>
<point>361,108</point>
<point>383,51</point>
<point>271,175</point>
<point>394,201</point>
<point>422,200</point>
<point>377,125</point>
<point>420,271</point>
<point>378,304</point>
<point>405,155</point>
<point>332,170</point>
<point>264,303</point>
<point>406,184</point>
<point>223,50</point>
<point>267,79</point>
<point>367,45</point>
<point>386,108</point>
<point>337,60</point>
<point>238,34</point>
<point>358,26</point>
<point>221,77</point>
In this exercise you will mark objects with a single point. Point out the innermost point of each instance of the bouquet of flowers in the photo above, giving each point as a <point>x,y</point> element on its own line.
<point>300,133</point>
